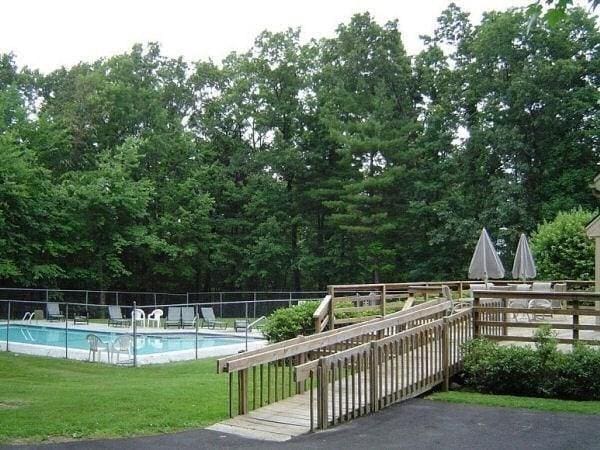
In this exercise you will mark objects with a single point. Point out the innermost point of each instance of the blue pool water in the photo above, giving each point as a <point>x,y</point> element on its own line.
<point>146,343</point>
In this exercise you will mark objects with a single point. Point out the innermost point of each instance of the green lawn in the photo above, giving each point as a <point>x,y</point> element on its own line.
<point>52,399</point>
<point>510,401</point>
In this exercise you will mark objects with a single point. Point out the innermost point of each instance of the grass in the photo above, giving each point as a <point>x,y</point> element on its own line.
<point>510,401</point>
<point>46,399</point>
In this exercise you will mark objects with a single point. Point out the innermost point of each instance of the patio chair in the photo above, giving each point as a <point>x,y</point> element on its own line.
<point>116,317</point>
<point>519,302</point>
<point>122,344</point>
<point>209,319</point>
<point>559,304</point>
<point>97,345</point>
<point>173,317</point>
<point>138,315</point>
<point>154,317</point>
<point>188,316</point>
<point>241,325</point>
<point>541,303</point>
<point>53,311</point>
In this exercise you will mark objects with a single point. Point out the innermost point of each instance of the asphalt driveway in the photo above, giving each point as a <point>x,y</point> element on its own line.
<point>416,424</point>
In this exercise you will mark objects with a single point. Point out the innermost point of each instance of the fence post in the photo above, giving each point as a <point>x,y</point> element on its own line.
<point>460,290</point>
<point>67,331</point>
<point>187,298</point>
<point>383,300</point>
<point>134,317</point>
<point>575,320</point>
<point>374,371</point>
<point>504,317</point>
<point>331,323</point>
<point>322,396</point>
<point>117,298</point>
<point>8,324</point>
<point>445,354</point>
<point>196,316</point>
<point>243,391</point>
<point>476,315</point>
<point>247,322</point>
<point>221,304</point>
<point>290,301</point>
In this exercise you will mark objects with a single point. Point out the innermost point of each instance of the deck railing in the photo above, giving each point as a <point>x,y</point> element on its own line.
<point>355,303</point>
<point>493,318</point>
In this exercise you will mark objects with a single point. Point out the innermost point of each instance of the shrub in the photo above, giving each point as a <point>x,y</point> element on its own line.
<point>540,372</point>
<point>561,248</point>
<point>578,377</point>
<point>287,323</point>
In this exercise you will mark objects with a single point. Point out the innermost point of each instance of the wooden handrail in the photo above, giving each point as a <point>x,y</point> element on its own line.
<point>320,313</point>
<point>314,342</point>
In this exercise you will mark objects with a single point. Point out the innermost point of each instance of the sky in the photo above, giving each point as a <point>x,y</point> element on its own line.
<point>47,34</point>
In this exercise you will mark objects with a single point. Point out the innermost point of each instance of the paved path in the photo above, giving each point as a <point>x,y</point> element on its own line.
<point>415,424</point>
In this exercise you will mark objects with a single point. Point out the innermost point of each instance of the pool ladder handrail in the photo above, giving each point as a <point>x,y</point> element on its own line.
<point>260,319</point>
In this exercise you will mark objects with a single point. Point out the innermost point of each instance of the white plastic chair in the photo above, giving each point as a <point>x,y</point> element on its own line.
<point>96,346</point>
<point>122,344</point>
<point>139,316</point>
<point>154,317</point>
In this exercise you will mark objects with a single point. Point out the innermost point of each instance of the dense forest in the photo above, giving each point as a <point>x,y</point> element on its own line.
<point>297,164</point>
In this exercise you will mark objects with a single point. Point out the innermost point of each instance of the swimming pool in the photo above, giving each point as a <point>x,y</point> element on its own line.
<point>147,343</point>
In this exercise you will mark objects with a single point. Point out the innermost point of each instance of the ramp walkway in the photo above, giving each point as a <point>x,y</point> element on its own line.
<point>308,383</point>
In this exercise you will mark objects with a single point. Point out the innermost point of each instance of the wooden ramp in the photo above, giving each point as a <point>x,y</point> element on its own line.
<point>279,421</point>
<point>285,419</point>
<point>358,370</point>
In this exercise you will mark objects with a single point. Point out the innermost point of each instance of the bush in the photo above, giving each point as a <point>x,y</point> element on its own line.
<point>561,248</point>
<point>539,372</point>
<point>287,323</point>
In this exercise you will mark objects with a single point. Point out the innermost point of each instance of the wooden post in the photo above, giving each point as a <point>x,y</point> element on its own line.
<point>243,391</point>
<point>445,354</point>
<point>476,315</point>
<point>374,375</point>
<point>597,273</point>
<point>331,301</point>
<point>575,320</point>
<point>504,318</point>
<point>460,290</point>
<point>324,396</point>
<point>383,301</point>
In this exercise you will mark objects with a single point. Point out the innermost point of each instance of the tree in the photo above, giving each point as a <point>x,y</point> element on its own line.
<point>368,101</point>
<point>108,207</point>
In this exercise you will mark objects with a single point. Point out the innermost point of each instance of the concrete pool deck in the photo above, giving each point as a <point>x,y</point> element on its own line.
<point>255,341</point>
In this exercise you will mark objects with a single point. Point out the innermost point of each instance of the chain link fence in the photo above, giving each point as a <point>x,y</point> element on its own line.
<point>123,328</point>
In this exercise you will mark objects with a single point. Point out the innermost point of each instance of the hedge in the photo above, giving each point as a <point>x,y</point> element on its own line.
<point>287,323</point>
<point>542,371</point>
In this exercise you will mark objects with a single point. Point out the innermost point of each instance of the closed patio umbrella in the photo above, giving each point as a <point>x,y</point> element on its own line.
<point>524,265</point>
<point>485,262</point>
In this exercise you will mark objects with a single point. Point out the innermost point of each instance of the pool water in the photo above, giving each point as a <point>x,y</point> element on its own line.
<point>146,343</point>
